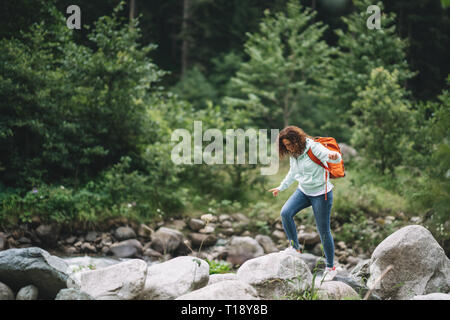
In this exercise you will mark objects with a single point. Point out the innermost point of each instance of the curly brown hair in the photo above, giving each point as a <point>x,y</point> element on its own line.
<point>296,136</point>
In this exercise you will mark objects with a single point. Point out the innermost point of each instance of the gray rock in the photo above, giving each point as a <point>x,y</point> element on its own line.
<point>166,240</point>
<point>121,281</point>
<point>28,293</point>
<point>21,267</point>
<point>279,235</point>
<point>241,249</point>
<point>124,233</point>
<point>361,271</point>
<point>72,294</point>
<point>2,241</point>
<point>176,277</point>
<point>89,263</point>
<point>240,217</point>
<point>88,247</point>
<point>277,274</point>
<point>214,278</point>
<point>48,234</point>
<point>420,265</point>
<point>210,228</point>
<point>149,252</point>
<point>308,238</point>
<point>177,224</point>
<point>91,236</point>
<point>224,217</point>
<point>317,250</point>
<point>361,289</point>
<point>24,240</point>
<point>203,240</point>
<point>5,292</point>
<point>71,240</point>
<point>223,290</point>
<point>144,231</point>
<point>432,296</point>
<point>226,224</point>
<point>196,224</point>
<point>267,243</point>
<point>314,263</point>
<point>335,290</point>
<point>127,249</point>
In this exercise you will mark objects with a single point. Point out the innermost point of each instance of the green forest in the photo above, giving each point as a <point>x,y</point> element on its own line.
<point>87,115</point>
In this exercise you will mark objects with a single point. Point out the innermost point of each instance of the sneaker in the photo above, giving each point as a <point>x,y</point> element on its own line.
<point>329,274</point>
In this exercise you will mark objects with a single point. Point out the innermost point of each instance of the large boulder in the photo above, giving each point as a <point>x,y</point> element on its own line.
<point>223,290</point>
<point>276,274</point>
<point>335,290</point>
<point>22,267</point>
<point>166,240</point>
<point>86,262</point>
<point>175,277</point>
<point>420,265</point>
<point>241,249</point>
<point>28,293</point>
<point>121,281</point>
<point>214,278</point>
<point>6,292</point>
<point>432,296</point>
<point>72,294</point>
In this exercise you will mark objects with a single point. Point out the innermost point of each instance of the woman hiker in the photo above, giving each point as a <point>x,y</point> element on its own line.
<point>311,189</point>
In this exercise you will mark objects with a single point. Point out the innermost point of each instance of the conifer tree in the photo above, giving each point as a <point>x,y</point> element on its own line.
<point>361,50</point>
<point>286,59</point>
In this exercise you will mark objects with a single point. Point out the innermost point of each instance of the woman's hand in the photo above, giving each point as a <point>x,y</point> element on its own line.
<point>274,191</point>
<point>333,155</point>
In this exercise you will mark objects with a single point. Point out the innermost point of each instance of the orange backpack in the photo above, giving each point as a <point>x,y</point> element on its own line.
<point>337,170</point>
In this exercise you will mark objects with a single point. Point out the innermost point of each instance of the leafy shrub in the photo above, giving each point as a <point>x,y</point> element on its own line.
<point>219,266</point>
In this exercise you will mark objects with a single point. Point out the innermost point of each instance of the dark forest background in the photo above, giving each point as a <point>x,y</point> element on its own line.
<point>86,115</point>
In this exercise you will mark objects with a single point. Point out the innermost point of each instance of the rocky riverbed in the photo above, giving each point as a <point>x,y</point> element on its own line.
<point>171,261</point>
<point>225,237</point>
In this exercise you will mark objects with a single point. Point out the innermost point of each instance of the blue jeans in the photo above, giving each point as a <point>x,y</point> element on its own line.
<point>322,210</point>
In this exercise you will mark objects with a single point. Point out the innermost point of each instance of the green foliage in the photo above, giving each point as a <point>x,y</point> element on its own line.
<point>79,117</point>
<point>431,191</point>
<point>286,59</point>
<point>219,266</point>
<point>382,120</point>
<point>223,206</point>
<point>118,192</point>
<point>195,88</point>
<point>360,50</point>
<point>67,111</point>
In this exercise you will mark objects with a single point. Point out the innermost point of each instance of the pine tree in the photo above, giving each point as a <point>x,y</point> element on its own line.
<point>286,58</point>
<point>360,50</point>
<point>382,118</point>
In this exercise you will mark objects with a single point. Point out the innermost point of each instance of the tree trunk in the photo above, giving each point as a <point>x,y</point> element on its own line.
<point>184,36</point>
<point>132,9</point>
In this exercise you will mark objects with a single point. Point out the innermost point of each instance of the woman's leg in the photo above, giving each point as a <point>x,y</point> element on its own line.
<point>322,211</point>
<point>296,202</point>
